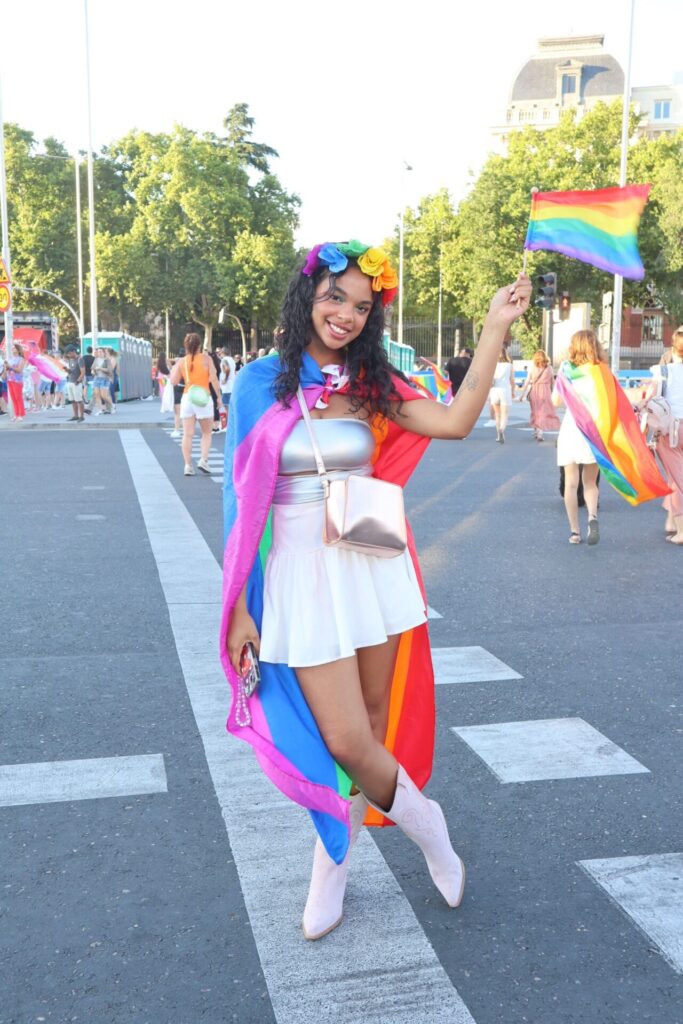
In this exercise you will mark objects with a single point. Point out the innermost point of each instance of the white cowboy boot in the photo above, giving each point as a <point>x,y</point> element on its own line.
<point>325,903</point>
<point>422,821</point>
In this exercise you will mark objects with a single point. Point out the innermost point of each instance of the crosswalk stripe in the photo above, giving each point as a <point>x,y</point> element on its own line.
<point>53,781</point>
<point>306,984</point>
<point>650,890</point>
<point>469,665</point>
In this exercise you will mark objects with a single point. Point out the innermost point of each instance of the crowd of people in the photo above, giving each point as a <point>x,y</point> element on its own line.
<point>90,385</point>
<point>579,471</point>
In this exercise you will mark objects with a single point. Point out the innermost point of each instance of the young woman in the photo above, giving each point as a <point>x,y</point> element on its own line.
<point>500,394</point>
<point>539,387</point>
<point>103,374</point>
<point>574,452</point>
<point>342,720</point>
<point>669,384</point>
<point>198,373</point>
<point>15,367</point>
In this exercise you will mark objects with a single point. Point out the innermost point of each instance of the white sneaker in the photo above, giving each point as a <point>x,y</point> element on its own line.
<point>175,433</point>
<point>204,466</point>
<point>189,471</point>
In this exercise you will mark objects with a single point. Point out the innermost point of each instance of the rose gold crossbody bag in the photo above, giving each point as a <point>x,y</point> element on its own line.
<point>361,513</point>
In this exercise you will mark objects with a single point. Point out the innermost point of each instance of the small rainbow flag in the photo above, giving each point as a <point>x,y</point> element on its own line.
<point>599,227</point>
<point>605,417</point>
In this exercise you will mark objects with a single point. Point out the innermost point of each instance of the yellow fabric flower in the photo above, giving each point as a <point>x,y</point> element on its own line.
<point>372,262</point>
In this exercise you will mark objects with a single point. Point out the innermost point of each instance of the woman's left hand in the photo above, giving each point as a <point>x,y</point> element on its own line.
<point>510,302</point>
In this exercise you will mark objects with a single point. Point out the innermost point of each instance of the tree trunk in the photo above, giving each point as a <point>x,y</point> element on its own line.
<point>208,337</point>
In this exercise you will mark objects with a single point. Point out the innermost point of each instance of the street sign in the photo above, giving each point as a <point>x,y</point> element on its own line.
<point>5,298</point>
<point>4,276</point>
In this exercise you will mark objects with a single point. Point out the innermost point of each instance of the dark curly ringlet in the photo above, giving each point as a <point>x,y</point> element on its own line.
<point>366,352</point>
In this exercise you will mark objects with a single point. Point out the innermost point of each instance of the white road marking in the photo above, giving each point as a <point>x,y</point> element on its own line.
<point>52,781</point>
<point>272,840</point>
<point>550,748</point>
<point>469,665</point>
<point>431,614</point>
<point>650,890</point>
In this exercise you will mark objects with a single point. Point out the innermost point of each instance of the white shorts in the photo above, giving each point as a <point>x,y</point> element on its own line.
<point>74,392</point>
<point>322,603</point>
<point>500,396</point>
<point>202,412</point>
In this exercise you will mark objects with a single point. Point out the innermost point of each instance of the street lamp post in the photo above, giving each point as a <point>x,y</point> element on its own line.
<point>5,243</point>
<point>406,167</point>
<point>439,345</point>
<point>91,191</point>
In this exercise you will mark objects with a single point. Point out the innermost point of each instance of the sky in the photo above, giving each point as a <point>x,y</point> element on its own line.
<point>346,92</point>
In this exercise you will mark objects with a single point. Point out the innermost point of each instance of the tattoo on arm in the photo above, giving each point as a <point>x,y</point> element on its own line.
<point>472,380</point>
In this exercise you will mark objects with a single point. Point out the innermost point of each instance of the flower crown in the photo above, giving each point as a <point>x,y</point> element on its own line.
<point>373,262</point>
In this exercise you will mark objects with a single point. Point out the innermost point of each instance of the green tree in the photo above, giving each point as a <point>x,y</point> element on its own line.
<point>42,221</point>
<point>486,249</point>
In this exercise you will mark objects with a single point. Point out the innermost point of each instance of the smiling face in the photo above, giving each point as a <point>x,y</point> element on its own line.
<point>338,318</point>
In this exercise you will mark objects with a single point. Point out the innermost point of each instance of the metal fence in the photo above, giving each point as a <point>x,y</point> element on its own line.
<point>423,336</point>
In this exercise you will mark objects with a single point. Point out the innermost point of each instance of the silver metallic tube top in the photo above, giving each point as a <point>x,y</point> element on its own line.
<point>347,446</point>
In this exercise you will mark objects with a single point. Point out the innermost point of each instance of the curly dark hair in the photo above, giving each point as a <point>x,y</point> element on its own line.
<point>376,387</point>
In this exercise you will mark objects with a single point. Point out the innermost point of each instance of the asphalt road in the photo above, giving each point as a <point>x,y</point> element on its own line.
<point>129,908</point>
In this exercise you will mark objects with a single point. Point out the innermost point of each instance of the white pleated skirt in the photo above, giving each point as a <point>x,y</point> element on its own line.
<point>323,603</point>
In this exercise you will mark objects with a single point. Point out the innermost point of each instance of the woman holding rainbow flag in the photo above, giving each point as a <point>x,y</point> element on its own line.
<point>342,719</point>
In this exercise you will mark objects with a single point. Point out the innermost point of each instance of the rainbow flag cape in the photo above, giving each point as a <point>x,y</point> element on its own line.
<point>283,732</point>
<point>599,227</point>
<point>606,419</point>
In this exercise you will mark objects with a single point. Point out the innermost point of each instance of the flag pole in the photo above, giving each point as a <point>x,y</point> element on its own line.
<point>618,279</point>
<point>534,190</point>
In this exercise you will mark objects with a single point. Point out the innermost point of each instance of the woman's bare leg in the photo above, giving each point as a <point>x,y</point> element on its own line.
<point>206,427</point>
<point>590,488</point>
<point>188,434</point>
<point>335,697</point>
<point>571,502</point>
<point>376,669</point>
<point>503,416</point>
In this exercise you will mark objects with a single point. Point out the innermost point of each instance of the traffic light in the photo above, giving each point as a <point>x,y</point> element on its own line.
<point>546,290</point>
<point>565,305</point>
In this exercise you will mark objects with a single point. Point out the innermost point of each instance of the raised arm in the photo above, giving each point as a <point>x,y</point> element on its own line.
<point>432,419</point>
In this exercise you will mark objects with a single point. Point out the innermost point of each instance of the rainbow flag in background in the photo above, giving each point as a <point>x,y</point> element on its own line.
<point>605,417</point>
<point>433,382</point>
<point>599,227</point>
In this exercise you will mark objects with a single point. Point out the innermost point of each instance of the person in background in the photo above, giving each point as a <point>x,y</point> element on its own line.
<point>87,380</point>
<point>74,387</point>
<point>113,357</point>
<point>226,379</point>
<point>3,387</point>
<point>178,389</point>
<point>101,382</point>
<point>668,384</point>
<point>573,450</point>
<point>15,366</point>
<point>199,374</point>
<point>162,373</point>
<point>502,390</point>
<point>45,391</point>
<point>539,387</point>
<point>456,368</point>
<point>238,362</point>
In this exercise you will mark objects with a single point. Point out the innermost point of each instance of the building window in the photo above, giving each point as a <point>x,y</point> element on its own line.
<point>653,325</point>
<point>662,110</point>
<point>568,85</point>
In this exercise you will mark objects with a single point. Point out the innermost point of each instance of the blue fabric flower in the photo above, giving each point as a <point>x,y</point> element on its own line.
<point>333,258</point>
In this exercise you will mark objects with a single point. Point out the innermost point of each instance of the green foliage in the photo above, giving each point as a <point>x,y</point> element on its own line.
<point>185,221</point>
<point>483,241</point>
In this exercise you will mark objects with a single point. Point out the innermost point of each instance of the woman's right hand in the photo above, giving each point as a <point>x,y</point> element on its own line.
<point>242,630</point>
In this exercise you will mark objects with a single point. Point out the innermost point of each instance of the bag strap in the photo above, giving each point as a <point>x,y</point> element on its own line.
<point>317,454</point>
